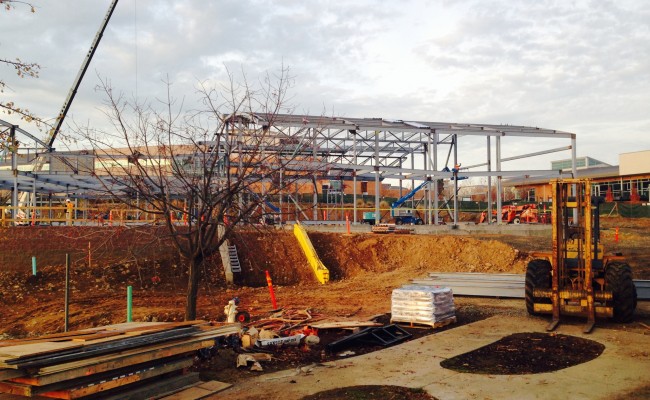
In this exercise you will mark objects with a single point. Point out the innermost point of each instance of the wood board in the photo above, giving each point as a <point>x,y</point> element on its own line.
<point>19,351</point>
<point>87,386</point>
<point>109,363</point>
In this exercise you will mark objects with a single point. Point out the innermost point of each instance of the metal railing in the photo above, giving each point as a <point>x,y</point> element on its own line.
<point>63,215</point>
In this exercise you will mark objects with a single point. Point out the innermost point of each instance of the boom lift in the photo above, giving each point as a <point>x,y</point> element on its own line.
<point>406,216</point>
<point>576,278</point>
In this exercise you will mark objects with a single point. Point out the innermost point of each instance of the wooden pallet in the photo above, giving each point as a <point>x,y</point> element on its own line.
<point>437,324</point>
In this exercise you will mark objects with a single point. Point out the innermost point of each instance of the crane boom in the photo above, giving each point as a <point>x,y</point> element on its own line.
<point>80,75</point>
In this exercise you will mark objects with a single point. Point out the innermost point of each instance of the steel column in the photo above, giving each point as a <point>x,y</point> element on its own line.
<point>489,183</point>
<point>499,184</point>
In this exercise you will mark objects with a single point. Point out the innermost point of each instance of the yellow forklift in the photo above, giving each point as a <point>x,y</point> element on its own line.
<point>576,278</point>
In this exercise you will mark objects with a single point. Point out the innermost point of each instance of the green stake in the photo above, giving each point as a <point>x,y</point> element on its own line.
<point>129,304</point>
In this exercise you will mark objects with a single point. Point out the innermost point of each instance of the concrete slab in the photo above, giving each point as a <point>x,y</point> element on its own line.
<point>622,367</point>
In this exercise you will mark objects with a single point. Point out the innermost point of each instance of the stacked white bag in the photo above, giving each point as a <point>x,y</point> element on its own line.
<point>422,305</point>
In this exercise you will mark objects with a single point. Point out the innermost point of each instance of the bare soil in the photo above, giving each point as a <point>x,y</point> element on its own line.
<point>372,393</point>
<point>364,268</point>
<point>526,353</point>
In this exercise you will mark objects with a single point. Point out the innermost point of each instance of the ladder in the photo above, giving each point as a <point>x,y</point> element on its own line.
<point>235,266</point>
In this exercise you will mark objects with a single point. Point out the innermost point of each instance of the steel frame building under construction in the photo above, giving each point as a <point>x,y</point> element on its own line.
<point>345,148</point>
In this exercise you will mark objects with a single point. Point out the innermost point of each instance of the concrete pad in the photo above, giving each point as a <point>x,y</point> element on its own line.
<point>623,366</point>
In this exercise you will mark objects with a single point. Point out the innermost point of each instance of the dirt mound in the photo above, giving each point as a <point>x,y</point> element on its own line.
<point>349,256</point>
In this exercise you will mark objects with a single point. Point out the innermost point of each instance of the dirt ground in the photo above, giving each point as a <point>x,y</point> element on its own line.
<point>364,269</point>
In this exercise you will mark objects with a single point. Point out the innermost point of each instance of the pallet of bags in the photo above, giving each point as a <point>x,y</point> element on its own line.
<point>423,306</point>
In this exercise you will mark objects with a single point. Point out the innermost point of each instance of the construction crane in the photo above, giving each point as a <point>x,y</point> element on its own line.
<point>576,278</point>
<point>80,75</point>
<point>49,142</point>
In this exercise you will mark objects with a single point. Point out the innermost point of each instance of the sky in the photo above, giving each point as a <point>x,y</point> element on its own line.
<point>576,66</point>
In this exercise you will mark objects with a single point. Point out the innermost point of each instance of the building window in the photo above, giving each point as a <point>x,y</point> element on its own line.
<point>531,195</point>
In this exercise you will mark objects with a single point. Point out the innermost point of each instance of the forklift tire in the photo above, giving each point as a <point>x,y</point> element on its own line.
<point>419,222</point>
<point>516,221</point>
<point>618,279</point>
<point>538,275</point>
<point>398,222</point>
<point>494,220</point>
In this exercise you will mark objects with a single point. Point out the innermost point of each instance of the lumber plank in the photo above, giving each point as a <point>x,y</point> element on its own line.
<point>207,337</point>
<point>16,388</point>
<point>100,335</point>
<point>120,380</point>
<point>4,396</point>
<point>110,362</point>
<point>6,374</point>
<point>19,351</point>
<point>53,337</point>
<point>94,349</point>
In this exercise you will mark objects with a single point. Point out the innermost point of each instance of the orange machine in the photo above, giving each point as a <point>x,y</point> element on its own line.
<point>525,213</point>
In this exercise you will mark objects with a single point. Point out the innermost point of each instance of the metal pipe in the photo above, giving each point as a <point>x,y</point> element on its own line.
<point>489,182</point>
<point>34,266</point>
<point>67,293</point>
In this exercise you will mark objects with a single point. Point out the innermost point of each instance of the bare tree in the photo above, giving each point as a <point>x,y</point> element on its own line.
<point>23,70</point>
<point>201,172</point>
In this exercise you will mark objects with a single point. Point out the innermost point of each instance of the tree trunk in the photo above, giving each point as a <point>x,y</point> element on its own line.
<point>194,272</point>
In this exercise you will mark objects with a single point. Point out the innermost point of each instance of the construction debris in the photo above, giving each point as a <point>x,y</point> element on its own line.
<point>282,341</point>
<point>253,359</point>
<point>382,336</point>
<point>108,360</point>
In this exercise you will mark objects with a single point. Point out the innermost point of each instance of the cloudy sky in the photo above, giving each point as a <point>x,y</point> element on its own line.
<point>577,66</point>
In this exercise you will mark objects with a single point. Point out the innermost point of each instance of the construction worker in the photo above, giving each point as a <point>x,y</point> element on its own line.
<point>69,209</point>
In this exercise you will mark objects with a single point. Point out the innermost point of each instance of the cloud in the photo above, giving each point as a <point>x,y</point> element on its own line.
<point>579,66</point>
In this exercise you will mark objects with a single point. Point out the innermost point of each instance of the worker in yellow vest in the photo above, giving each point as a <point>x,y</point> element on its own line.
<point>68,211</point>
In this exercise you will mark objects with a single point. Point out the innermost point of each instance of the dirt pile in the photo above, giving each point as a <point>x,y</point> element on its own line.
<point>349,256</point>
